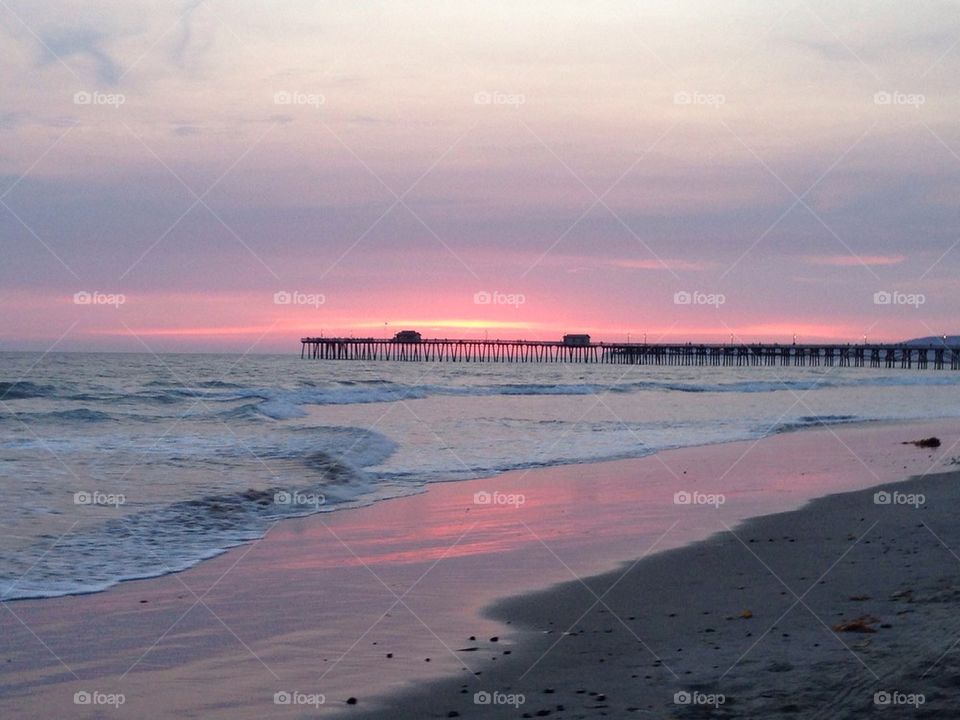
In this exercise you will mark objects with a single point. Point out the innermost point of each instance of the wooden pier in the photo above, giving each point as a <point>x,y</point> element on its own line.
<point>726,355</point>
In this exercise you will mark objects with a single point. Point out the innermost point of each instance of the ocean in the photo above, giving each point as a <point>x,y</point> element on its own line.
<point>123,466</point>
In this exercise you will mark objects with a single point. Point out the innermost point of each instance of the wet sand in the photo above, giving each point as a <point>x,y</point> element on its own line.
<point>844,609</point>
<point>377,603</point>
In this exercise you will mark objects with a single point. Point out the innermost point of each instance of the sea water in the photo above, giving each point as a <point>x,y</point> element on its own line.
<point>122,466</point>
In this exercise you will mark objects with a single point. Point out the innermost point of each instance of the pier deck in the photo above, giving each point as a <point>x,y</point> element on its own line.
<point>727,355</point>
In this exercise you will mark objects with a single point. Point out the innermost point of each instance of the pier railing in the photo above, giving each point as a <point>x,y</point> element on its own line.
<point>535,351</point>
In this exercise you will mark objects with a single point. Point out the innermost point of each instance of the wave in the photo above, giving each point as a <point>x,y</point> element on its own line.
<point>204,384</point>
<point>812,421</point>
<point>286,403</point>
<point>85,415</point>
<point>79,416</point>
<point>173,537</point>
<point>338,470</point>
<point>23,390</point>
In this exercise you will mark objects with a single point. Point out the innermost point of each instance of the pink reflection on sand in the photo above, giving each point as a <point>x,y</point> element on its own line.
<point>321,600</point>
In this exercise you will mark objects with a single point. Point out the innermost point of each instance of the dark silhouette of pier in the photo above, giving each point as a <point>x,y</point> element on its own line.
<point>410,347</point>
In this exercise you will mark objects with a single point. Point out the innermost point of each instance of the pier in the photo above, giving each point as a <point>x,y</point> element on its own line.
<point>410,347</point>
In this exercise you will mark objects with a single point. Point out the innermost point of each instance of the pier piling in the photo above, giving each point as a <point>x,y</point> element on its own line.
<point>660,354</point>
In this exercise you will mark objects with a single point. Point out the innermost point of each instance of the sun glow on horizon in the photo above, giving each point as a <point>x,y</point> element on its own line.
<point>397,176</point>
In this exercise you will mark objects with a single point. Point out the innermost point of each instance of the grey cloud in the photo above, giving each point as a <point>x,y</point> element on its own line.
<point>83,43</point>
<point>878,51</point>
<point>185,36</point>
<point>11,120</point>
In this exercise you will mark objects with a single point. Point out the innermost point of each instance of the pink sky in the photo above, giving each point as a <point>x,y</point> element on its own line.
<point>387,167</point>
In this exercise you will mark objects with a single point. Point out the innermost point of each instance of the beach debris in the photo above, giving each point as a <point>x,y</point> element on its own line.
<point>746,614</point>
<point>862,624</point>
<point>351,701</point>
<point>859,598</point>
<point>930,442</point>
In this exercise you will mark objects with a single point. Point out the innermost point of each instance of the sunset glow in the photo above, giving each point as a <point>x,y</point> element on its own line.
<point>593,161</point>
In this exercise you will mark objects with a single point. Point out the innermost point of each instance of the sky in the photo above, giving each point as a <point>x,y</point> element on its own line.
<point>230,176</point>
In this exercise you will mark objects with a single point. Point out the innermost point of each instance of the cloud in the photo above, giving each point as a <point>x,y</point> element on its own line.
<point>11,120</point>
<point>880,47</point>
<point>855,260</point>
<point>582,263</point>
<point>84,43</point>
<point>661,264</point>
<point>184,39</point>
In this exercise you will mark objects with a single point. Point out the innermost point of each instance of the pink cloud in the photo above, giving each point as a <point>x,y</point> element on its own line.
<point>661,264</point>
<point>855,260</point>
<point>581,264</point>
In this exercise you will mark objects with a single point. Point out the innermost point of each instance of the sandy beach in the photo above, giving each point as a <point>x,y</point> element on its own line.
<point>590,590</point>
<point>846,608</point>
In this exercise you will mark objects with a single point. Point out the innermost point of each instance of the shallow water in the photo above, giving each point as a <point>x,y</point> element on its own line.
<point>138,465</point>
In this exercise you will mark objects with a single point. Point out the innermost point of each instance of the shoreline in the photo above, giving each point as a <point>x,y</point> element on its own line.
<point>314,605</point>
<point>361,504</point>
<point>810,617</point>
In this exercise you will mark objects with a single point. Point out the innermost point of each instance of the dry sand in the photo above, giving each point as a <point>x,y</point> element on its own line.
<point>353,604</point>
